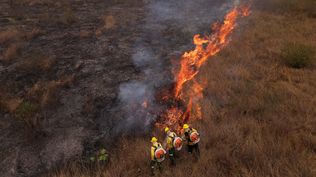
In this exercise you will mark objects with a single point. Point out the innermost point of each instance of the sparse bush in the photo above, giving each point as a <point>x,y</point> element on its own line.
<point>298,55</point>
<point>27,113</point>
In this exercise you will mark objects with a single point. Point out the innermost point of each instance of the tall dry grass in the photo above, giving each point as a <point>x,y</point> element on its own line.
<point>259,114</point>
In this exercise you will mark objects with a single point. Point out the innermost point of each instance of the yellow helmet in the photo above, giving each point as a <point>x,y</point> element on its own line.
<point>154,139</point>
<point>167,129</point>
<point>185,126</point>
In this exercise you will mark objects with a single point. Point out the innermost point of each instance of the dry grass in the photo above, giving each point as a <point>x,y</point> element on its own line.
<point>9,104</point>
<point>46,93</point>
<point>37,61</point>
<point>13,104</point>
<point>109,21</point>
<point>13,34</point>
<point>8,35</point>
<point>84,34</point>
<point>307,7</point>
<point>259,114</point>
<point>14,39</point>
<point>11,52</point>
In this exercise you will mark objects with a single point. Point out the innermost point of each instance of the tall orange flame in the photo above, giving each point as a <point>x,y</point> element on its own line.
<point>190,64</point>
<point>193,60</point>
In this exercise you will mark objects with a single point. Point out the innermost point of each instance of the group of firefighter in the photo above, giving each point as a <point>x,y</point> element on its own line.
<point>174,143</point>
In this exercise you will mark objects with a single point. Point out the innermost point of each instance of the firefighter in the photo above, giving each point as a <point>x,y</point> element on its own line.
<point>157,155</point>
<point>192,137</point>
<point>170,147</point>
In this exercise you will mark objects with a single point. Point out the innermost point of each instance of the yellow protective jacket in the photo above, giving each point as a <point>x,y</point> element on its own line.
<point>153,149</point>
<point>170,138</point>
<point>187,133</point>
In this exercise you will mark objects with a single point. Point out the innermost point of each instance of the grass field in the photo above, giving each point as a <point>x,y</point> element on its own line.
<point>259,116</point>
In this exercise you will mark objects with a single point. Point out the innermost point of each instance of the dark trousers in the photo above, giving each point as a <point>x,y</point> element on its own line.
<point>192,148</point>
<point>171,153</point>
<point>153,165</point>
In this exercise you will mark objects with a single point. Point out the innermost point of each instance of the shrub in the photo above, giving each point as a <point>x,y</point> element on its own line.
<point>27,113</point>
<point>298,55</point>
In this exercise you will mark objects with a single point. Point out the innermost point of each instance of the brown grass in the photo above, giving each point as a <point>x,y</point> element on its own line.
<point>36,62</point>
<point>13,104</point>
<point>8,103</point>
<point>31,34</point>
<point>13,39</point>
<point>259,114</point>
<point>109,21</point>
<point>46,93</point>
<point>11,52</point>
<point>84,34</point>
<point>8,35</point>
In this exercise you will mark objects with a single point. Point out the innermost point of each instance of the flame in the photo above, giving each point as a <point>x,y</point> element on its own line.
<point>190,64</point>
<point>192,61</point>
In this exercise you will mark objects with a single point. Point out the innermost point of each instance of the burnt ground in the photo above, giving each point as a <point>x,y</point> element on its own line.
<point>61,65</point>
<point>97,57</point>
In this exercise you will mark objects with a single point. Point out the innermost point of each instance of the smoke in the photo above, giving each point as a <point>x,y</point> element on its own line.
<point>136,95</point>
<point>186,17</point>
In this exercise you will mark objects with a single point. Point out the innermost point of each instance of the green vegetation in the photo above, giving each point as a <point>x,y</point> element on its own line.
<point>27,113</point>
<point>298,55</point>
<point>102,156</point>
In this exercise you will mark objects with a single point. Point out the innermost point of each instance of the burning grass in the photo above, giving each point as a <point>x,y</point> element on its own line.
<point>190,64</point>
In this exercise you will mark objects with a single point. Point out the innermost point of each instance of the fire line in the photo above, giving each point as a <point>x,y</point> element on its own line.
<point>190,64</point>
